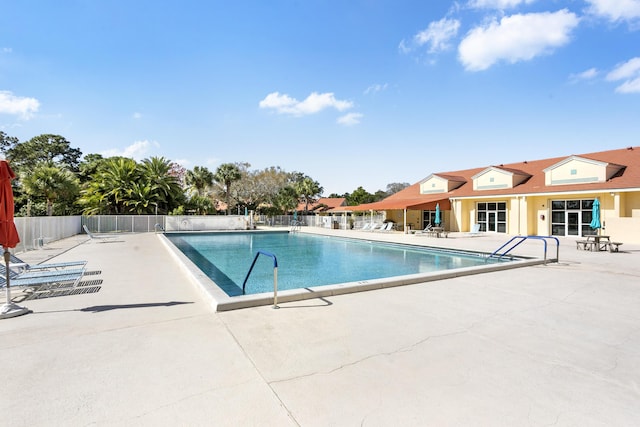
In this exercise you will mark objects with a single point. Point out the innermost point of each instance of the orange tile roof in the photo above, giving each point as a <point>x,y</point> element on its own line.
<point>323,204</point>
<point>627,178</point>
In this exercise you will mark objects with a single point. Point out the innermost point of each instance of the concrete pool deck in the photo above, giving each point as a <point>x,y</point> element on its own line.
<point>556,344</point>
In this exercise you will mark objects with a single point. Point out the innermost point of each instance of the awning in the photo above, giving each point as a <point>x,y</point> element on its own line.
<point>418,204</point>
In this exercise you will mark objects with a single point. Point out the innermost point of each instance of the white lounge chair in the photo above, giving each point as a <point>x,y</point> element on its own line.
<point>427,230</point>
<point>475,229</point>
<point>98,237</point>
<point>388,226</point>
<point>366,226</point>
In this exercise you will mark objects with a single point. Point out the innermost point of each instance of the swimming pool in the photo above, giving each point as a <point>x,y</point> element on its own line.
<point>312,265</point>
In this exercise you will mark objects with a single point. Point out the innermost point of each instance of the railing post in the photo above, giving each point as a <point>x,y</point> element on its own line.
<point>275,275</point>
<point>275,287</point>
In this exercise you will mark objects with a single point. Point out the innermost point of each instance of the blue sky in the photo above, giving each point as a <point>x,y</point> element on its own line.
<point>350,92</point>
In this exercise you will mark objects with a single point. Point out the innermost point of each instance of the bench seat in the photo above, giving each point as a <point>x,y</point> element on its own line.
<point>614,246</point>
<point>585,244</point>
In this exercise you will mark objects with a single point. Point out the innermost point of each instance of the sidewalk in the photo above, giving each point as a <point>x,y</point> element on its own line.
<point>556,344</point>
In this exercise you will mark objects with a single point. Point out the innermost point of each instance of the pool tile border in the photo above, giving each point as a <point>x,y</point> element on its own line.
<point>220,301</point>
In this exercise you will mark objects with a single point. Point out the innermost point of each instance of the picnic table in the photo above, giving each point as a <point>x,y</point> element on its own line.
<point>598,242</point>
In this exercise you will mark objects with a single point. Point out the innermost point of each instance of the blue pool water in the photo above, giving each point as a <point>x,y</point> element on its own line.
<point>306,260</point>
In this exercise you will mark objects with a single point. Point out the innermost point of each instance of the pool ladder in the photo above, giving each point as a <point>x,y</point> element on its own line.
<point>295,225</point>
<point>517,240</point>
<point>275,275</point>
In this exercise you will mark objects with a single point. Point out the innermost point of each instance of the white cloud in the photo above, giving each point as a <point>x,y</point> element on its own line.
<point>625,70</point>
<point>629,72</point>
<point>498,4</point>
<point>7,50</point>
<point>589,74</point>
<point>138,150</point>
<point>630,86</point>
<point>314,103</point>
<point>515,38</point>
<point>616,10</point>
<point>437,36</point>
<point>16,105</point>
<point>136,115</point>
<point>375,88</point>
<point>350,119</point>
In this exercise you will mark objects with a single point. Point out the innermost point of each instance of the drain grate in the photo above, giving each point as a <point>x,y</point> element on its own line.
<point>92,272</point>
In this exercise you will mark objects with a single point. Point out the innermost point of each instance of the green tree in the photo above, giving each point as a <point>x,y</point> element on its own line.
<point>360,196</point>
<point>7,142</point>
<point>164,188</point>
<point>202,205</point>
<point>395,187</point>
<point>308,190</point>
<point>140,198</point>
<point>199,180</point>
<point>51,183</point>
<point>24,156</point>
<point>109,189</point>
<point>89,166</point>
<point>286,199</point>
<point>227,174</point>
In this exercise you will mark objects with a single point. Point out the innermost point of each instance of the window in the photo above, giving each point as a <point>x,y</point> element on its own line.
<point>571,217</point>
<point>492,216</point>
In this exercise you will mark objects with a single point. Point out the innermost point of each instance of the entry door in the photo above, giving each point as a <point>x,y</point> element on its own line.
<point>491,221</point>
<point>573,223</point>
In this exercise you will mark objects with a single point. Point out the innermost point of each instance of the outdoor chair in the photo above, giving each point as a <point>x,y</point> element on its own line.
<point>38,282</point>
<point>98,237</point>
<point>39,273</point>
<point>428,229</point>
<point>24,266</point>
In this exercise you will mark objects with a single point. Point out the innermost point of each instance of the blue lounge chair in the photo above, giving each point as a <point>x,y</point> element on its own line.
<point>24,266</point>
<point>42,281</point>
<point>40,273</point>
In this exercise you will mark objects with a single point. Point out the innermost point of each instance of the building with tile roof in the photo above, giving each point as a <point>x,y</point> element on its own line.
<point>323,204</point>
<point>548,197</point>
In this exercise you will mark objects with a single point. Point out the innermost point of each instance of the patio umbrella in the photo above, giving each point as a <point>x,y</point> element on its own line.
<point>595,215</point>
<point>437,219</point>
<point>8,236</point>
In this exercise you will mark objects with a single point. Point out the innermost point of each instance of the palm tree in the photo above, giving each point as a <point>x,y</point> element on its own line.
<point>141,198</point>
<point>51,183</point>
<point>199,179</point>
<point>308,190</point>
<point>286,199</point>
<point>164,187</point>
<point>226,174</point>
<point>110,188</point>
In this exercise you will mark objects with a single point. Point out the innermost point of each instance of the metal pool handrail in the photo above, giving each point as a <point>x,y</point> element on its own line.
<point>275,275</point>
<point>522,239</point>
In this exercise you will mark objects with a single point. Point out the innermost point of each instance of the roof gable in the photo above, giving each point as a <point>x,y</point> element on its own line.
<point>579,170</point>
<point>493,178</point>
<point>436,183</point>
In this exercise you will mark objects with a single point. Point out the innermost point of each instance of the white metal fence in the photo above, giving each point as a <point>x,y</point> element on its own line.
<point>35,232</point>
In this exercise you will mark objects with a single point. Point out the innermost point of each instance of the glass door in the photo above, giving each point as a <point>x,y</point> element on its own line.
<point>491,222</point>
<point>573,223</point>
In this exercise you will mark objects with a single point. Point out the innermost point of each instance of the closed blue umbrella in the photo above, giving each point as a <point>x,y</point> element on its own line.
<point>437,220</point>
<point>595,215</point>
